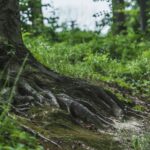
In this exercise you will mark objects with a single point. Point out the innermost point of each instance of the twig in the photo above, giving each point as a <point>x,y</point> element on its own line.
<point>37,134</point>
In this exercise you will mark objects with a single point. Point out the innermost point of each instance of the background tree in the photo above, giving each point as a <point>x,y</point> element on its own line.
<point>32,15</point>
<point>143,4</point>
<point>36,12</point>
<point>25,14</point>
<point>119,18</point>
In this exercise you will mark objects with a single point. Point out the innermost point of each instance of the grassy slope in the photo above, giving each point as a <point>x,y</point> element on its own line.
<point>88,56</point>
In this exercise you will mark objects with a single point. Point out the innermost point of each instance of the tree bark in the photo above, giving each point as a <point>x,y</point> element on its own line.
<point>10,30</point>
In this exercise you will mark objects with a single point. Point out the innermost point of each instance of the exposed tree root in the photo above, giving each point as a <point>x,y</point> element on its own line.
<point>79,111</point>
<point>83,101</point>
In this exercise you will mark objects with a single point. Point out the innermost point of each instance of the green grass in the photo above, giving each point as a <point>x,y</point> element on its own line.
<point>93,58</point>
<point>12,137</point>
<point>141,142</point>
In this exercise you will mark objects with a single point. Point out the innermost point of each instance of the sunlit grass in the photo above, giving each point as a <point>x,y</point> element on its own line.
<point>82,61</point>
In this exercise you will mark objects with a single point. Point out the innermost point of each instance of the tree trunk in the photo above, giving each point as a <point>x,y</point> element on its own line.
<point>143,4</point>
<point>36,12</point>
<point>10,30</point>
<point>119,18</point>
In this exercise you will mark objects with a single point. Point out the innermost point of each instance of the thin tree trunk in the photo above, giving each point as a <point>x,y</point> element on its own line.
<point>119,18</point>
<point>36,12</point>
<point>143,14</point>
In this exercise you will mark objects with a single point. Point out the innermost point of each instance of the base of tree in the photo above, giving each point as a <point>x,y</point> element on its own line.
<point>84,102</point>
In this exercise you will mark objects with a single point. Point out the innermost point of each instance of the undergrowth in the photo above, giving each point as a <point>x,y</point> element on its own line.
<point>12,136</point>
<point>141,142</point>
<point>122,60</point>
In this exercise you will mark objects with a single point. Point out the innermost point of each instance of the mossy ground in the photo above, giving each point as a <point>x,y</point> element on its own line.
<point>59,126</point>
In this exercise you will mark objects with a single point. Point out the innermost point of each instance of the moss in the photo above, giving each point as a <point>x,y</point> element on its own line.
<point>58,125</point>
<point>139,108</point>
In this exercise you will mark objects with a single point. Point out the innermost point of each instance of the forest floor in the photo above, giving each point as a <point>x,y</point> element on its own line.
<point>59,127</point>
<point>109,83</point>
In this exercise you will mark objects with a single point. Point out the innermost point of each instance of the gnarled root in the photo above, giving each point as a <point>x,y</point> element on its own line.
<point>79,111</point>
<point>88,103</point>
